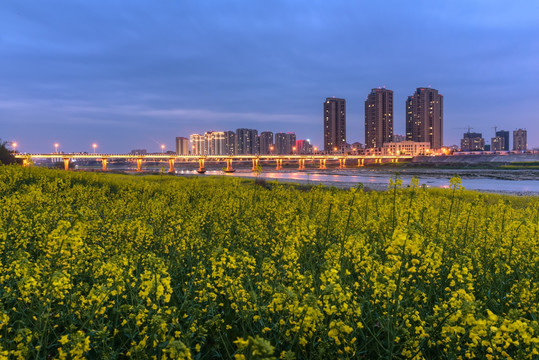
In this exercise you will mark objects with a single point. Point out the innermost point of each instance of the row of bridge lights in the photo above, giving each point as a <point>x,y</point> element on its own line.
<point>94,146</point>
<point>57,145</point>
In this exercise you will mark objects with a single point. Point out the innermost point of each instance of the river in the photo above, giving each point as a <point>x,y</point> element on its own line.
<point>510,181</point>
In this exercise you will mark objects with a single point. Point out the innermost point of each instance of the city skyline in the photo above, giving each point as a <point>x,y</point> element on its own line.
<point>108,74</point>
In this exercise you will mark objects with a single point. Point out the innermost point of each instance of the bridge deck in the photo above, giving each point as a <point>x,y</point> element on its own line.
<point>207,157</point>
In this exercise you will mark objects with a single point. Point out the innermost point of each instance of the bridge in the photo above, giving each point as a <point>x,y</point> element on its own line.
<point>344,160</point>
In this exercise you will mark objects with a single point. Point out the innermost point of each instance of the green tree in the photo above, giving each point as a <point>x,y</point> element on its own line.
<point>6,155</point>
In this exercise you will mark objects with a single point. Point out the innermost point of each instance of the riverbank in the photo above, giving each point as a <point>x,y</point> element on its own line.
<point>379,186</point>
<point>374,177</point>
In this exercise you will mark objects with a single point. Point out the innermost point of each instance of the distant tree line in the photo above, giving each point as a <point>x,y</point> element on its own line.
<point>6,156</point>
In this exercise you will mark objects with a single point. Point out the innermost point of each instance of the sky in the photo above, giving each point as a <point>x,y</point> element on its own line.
<point>136,74</point>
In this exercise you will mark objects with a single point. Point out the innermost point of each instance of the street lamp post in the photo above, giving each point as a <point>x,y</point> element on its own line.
<point>14,145</point>
<point>94,146</point>
<point>56,147</point>
<point>162,149</point>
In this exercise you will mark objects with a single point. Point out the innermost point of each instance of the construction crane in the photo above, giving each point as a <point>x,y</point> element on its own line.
<point>464,128</point>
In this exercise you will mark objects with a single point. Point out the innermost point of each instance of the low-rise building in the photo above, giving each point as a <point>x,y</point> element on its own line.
<point>472,141</point>
<point>413,148</point>
<point>497,143</point>
<point>138,152</point>
<point>399,138</point>
<point>182,145</point>
<point>303,147</point>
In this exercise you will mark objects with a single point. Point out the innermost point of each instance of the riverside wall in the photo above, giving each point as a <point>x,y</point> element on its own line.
<point>477,159</point>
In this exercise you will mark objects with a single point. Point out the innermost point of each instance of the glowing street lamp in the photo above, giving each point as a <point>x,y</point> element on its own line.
<point>293,149</point>
<point>56,147</point>
<point>315,149</point>
<point>94,145</point>
<point>14,145</point>
<point>162,148</point>
<point>335,149</point>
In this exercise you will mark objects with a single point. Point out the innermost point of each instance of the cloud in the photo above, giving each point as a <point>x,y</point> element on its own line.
<point>210,64</point>
<point>93,114</point>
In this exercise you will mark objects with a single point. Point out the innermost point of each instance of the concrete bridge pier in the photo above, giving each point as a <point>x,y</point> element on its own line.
<point>104,163</point>
<point>342,163</point>
<point>255,164</point>
<point>360,162</point>
<point>171,166</point>
<point>279,165</point>
<point>301,164</point>
<point>322,163</point>
<point>66,164</point>
<point>201,167</point>
<point>229,168</point>
<point>139,164</point>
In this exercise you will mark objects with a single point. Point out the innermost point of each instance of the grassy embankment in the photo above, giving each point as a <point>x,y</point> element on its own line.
<point>522,165</point>
<point>105,266</point>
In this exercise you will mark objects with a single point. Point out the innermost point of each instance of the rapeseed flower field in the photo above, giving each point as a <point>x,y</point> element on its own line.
<point>109,266</point>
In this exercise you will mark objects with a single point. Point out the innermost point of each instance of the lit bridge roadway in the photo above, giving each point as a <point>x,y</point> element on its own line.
<point>344,160</point>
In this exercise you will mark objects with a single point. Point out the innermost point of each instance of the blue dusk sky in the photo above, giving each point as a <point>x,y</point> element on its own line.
<point>136,74</point>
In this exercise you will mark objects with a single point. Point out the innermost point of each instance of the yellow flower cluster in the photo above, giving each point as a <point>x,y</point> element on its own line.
<point>98,265</point>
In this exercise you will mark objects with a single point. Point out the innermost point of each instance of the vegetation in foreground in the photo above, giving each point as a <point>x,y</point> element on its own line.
<point>111,266</point>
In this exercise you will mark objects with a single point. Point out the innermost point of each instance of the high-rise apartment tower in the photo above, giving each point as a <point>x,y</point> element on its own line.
<point>246,142</point>
<point>230,142</point>
<point>520,140</point>
<point>197,144</point>
<point>378,118</point>
<point>334,124</point>
<point>284,143</point>
<point>425,117</point>
<point>214,143</point>
<point>266,141</point>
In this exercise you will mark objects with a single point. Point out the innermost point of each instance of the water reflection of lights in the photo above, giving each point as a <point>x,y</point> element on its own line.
<point>488,184</point>
<point>352,178</point>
